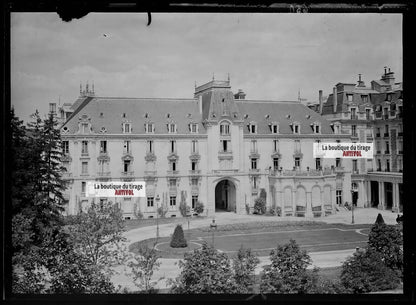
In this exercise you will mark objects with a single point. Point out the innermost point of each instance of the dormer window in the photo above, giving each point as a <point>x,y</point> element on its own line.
<point>364,98</point>
<point>296,128</point>
<point>124,115</point>
<point>349,97</point>
<point>84,127</point>
<point>252,127</point>
<point>149,127</point>
<point>224,129</point>
<point>126,128</point>
<point>316,127</point>
<point>193,128</point>
<point>274,127</point>
<point>171,127</point>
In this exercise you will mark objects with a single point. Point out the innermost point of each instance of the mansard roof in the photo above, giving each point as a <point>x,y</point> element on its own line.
<point>284,113</point>
<point>181,111</point>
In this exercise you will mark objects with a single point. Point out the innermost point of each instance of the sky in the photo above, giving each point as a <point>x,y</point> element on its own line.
<point>269,56</point>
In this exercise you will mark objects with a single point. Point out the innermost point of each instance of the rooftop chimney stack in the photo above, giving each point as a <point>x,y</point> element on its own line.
<point>335,97</point>
<point>360,82</point>
<point>240,95</point>
<point>52,108</point>
<point>321,103</point>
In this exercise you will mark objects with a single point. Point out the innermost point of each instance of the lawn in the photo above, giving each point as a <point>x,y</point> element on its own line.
<point>309,235</point>
<point>130,224</point>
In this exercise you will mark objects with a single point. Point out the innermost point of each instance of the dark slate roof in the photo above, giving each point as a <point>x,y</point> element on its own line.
<point>135,110</point>
<point>257,111</point>
<point>214,101</point>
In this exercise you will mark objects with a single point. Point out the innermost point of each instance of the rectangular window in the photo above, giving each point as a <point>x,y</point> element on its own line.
<point>275,145</point>
<point>297,146</point>
<point>194,181</point>
<point>83,187</point>
<point>297,162</point>
<point>338,162</point>
<point>193,165</point>
<point>296,129</point>
<point>224,129</point>
<point>194,201</point>
<point>224,145</point>
<point>126,166</point>
<point>318,163</point>
<point>339,197</point>
<point>150,146</point>
<point>84,149</point>
<point>194,128</point>
<point>364,98</point>
<point>172,201</point>
<point>275,164</point>
<point>173,165</point>
<point>172,146</point>
<point>194,146</point>
<point>84,127</point>
<point>387,165</point>
<point>103,147</point>
<point>172,128</point>
<point>126,146</point>
<point>349,97</point>
<point>254,182</point>
<point>367,114</point>
<point>126,128</point>
<point>354,130</point>
<point>172,183</point>
<point>252,128</point>
<point>387,147</point>
<point>150,201</point>
<point>254,163</point>
<point>85,167</point>
<point>274,128</point>
<point>149,127</point>
<point>354,166</point>
<point>316,128</point>
<point>353,113</point>
<point>65,147</point>
<point>379,165</point>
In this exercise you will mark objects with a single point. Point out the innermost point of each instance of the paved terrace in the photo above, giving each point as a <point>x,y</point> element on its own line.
<point>323,259</point>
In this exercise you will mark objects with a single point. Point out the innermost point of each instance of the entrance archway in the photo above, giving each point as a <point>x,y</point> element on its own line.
<point>225,196</point>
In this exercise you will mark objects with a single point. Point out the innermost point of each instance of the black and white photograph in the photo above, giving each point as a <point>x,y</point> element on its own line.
<point>234,153</point>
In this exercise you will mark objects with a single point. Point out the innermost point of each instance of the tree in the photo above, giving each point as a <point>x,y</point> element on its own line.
<point>199,207</point>
<point>143,265</point>
<point>244,264</point>
<point>205,270</point>
<point>178,239</point>
<point>97,234</point>
<point>365,272</point>
<point>287,272</point>
<point>387,240</point>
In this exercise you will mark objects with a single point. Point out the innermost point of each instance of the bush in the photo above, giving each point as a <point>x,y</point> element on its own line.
<point>199,207</point>
<point>184,209</point>
<point>365,272</point>
<point>274,211</point>
<point>387,240</point>
<point>287,272</point>
<point>259,206</point>
<point>178,239</point>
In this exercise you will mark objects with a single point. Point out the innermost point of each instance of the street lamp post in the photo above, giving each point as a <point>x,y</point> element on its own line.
<point>354,197</point>
<point>157,217</point>
<point>213,226</point>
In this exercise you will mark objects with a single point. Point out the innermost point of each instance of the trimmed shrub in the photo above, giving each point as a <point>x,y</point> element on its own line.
<point>379,219</point>
<point>162,210</point>
<point>365,271</point>
<point>178,239</point>
<point>199,207</point>
<point>259,206</point>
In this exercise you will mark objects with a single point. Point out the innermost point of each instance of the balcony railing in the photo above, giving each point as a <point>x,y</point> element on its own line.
<point>150,173</point>
<point>172,173</point>
<point>127,174</point>
<point>84,153</point>
<point>309,173</point>
<point>354,117</point>
<point>103,174</point>
<point>195,172</point>
<point>386,116</point>
<point>392,113</point>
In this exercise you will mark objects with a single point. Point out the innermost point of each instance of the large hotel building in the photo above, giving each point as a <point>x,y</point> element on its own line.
<point>222,149</point>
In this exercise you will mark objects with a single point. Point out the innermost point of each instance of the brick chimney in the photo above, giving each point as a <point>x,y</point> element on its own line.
<point>335,97</point>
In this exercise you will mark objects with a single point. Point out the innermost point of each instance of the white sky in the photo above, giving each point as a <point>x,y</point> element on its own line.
<point>269,56</point>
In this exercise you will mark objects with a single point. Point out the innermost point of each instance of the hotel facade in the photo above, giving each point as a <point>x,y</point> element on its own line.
<point>218,148</point>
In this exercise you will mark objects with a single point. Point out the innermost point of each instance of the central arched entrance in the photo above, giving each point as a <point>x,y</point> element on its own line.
<point>225,196</point>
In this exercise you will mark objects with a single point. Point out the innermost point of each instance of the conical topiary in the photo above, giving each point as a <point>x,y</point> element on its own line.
<point>178,238</point>
<point>379,220</point>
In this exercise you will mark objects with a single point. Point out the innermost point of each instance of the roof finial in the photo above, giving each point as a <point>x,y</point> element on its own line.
<point>93,87</point>
<point>228,76</point>
<point>195,84</point>
<point>213,76</point>
<point>80,88</point>
<point>86,88</point>
<point>359,77</point>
